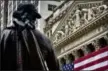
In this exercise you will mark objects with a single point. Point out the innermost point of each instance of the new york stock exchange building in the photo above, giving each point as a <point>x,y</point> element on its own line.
<point>79,32</point>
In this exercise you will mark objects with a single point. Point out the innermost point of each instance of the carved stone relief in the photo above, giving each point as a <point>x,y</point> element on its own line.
<point>77,20</point>
<point>70,24</point>
<point>80,17</point>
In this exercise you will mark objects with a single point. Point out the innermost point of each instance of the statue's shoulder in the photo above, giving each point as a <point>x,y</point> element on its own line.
<point>42,38</point>
<point>39,34</point>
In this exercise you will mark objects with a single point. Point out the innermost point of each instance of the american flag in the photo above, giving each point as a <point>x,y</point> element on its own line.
<point>97,61</point>
<point>68,67</point>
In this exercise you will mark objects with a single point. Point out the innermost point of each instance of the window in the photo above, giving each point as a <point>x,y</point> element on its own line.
<point>102,42</point>
<point>63,61</point>
<point>107,34</point>
<point>51,7</point>
<point>80,53</point>
<point>71,58</point>
<point>90,48</point>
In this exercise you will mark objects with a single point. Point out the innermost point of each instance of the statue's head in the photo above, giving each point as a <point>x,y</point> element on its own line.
<point>27,10</point>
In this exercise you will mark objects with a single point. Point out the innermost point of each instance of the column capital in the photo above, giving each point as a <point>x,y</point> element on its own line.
<point>75,54</point>
<point>95,43</point>
<point>84,48</point>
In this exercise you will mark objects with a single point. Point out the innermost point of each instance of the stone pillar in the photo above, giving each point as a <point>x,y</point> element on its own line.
<point>106,38</point>
<point>67,60</point>
<point>62,60</point>
<point>75,54</point>
<point>66,57</point>
<point>84,48</point>
<point>60,64</point>
<point>96,45</point>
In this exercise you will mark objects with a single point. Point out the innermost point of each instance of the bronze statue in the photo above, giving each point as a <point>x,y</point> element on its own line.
<point>23,47</point>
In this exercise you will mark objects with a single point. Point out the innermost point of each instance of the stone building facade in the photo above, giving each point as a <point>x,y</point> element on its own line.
<point>80,28</point>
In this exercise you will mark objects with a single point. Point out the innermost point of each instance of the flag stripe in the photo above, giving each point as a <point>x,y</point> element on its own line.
<point>96,66</point>
<point>102,68</point>
<point>92,63</point>
<point>91,54</point>
<point>89,60</point>
<point>97,60</point>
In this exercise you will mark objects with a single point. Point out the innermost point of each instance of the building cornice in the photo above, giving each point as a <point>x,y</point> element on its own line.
<point>56,10</point>
<point>71,9</point>
<point>63,13</point>
<point>100,20</point>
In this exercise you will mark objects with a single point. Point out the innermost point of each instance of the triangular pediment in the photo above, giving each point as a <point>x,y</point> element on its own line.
<point>78,14</point>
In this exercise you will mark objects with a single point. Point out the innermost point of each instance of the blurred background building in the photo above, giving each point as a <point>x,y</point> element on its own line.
<point>45,8</point>
<point>8,7</point>
<point>79,28</point>
<point>3,14</point>
<point>12,6</point>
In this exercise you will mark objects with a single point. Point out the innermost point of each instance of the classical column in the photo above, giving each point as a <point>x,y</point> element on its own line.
<point>59,61</point>
<point>66,57</point>
<point>60,64</point>
<point>84,48</point>
<point>75,54</point>
<point>96,45</point>
<point>63,61</point>
<point>106,38</point>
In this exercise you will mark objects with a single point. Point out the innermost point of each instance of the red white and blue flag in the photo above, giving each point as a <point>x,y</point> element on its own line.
<point>68,67</point>
<point>97,61</point>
